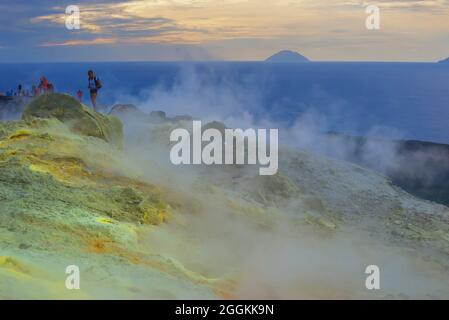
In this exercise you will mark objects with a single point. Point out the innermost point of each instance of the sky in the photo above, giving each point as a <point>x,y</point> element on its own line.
<point>160,30</point>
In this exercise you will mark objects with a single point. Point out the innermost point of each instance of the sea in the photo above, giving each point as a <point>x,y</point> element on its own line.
<point>394,100</point>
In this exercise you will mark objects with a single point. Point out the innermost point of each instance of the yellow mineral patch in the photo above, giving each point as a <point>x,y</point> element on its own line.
<point>262,216</point>
<point>38,168</point>
<point>67,170</point>
<point>13,267</point>
<point>104,220</point>
<point>20,134</point>
<point>10,153</point>
<point>320,222</point>
<point>154,215</point>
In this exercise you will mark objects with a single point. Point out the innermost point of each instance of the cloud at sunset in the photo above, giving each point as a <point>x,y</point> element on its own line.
<point>237,29</point>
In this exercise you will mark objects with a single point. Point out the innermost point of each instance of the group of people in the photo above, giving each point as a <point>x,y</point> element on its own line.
<point>45,87</point>
<point>15,93</point>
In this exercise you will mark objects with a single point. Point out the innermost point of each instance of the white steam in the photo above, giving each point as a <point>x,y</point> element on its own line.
<point>279,259</point>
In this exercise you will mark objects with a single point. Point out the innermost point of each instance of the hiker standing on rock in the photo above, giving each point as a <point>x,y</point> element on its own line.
<point>94,85</point>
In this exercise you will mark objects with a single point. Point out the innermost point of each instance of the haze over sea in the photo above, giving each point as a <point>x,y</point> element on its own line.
<point>394,100</point>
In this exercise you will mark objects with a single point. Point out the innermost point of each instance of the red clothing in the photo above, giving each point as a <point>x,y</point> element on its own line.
<point>44,85</point>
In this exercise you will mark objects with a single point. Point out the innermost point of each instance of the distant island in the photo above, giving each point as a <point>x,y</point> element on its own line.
<point>287,56</point>
<point>444,61</point>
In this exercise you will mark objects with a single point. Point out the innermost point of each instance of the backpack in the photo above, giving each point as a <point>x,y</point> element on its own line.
<point>97,83</point>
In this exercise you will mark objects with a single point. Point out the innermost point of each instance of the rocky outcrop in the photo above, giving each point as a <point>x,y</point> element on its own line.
<point>158,116</point>
<point>78,117</point>
<point>161,117</point>
<point>421,168</point>
<point>129,112</point>
<point>66,198</point>
<point>125,110</point>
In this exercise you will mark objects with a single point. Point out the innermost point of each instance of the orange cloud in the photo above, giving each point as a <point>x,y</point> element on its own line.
<point>79,42</point>
<point>338,23</point>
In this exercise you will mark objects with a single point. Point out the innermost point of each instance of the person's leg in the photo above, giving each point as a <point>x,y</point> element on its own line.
<point>93,98</point>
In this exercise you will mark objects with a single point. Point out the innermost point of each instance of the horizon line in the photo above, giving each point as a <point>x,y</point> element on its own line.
<point>219,61</point>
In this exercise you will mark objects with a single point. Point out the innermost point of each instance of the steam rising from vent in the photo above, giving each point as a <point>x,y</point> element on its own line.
<point>237,105</point>
<point>266,250</point>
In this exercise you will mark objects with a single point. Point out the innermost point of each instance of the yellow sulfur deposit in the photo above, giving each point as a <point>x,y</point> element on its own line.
<point>68,197</point>
<point>73,194</point>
